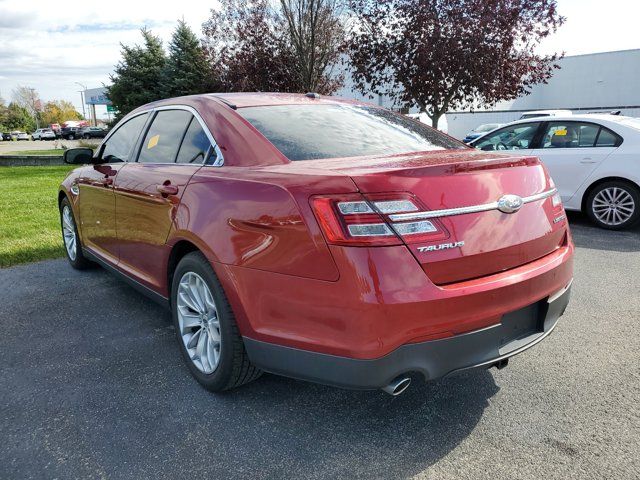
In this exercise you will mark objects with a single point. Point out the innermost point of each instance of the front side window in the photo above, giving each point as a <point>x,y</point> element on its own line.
<point>514,137</point>
<point>195,145</point>
<point>162,141</point>
<point>119,146</point>
<point>307,132</point>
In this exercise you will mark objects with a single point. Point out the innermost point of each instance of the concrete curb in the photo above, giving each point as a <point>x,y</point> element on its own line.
<point>29,160</point>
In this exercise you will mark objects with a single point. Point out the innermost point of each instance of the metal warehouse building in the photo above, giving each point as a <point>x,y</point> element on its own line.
<point>597,82</point>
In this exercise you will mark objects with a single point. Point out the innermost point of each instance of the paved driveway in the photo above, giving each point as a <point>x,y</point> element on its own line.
<point>92,386</point>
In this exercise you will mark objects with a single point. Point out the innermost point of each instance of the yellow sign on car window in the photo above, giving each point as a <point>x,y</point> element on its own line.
<point>559,133</point>
<point>153,141</point>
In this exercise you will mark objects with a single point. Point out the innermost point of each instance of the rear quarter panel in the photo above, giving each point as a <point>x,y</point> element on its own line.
<point>258,219</point>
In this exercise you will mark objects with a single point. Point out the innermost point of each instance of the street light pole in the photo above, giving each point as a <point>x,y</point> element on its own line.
<point>82,97</point>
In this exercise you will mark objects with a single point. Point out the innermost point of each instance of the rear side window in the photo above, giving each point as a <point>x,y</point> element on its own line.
<point>607,138</point>
<point>162,141</point>
<point>120,145</point>
<point>307,132</point>
<point>195,146</point>
<point>578,135</point>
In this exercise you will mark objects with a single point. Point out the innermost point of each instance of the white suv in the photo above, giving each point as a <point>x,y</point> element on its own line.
<point>43,134</point>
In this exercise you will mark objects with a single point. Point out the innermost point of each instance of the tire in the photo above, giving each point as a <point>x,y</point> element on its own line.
<point>614,205</point>
<point>233,367</point>
<point>69,137</point>
<point>76,257</point>
<point>86,137</point>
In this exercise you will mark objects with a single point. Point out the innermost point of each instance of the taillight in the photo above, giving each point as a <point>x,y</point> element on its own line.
<point>364,221</point>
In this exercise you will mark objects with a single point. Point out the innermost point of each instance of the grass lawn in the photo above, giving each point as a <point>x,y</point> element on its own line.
<point>29,219</point>
<point>52,151</point>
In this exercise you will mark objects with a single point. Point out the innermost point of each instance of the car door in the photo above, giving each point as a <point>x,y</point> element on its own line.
<point>149,191</point>
<point>96,183</point>
<point>572,150</point>
<point>515,139</point>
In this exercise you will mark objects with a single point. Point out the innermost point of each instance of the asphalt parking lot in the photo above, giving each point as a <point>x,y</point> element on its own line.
<point>92,386</point>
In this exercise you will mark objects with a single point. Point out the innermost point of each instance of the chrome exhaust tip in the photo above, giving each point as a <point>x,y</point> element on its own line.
<point>397,386</point>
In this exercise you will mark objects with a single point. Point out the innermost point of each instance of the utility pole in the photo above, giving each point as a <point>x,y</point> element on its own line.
<point>82,97</point>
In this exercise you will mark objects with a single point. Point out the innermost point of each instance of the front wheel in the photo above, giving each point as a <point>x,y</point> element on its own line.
<point>206,329</point>
<point>71,238</point>
<point>614,205</point>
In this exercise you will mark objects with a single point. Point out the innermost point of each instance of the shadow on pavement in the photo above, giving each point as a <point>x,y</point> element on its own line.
<point>587,235</point>
<point>100,390</point>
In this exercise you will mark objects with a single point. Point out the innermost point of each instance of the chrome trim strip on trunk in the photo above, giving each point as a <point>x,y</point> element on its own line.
<point>449,212</point>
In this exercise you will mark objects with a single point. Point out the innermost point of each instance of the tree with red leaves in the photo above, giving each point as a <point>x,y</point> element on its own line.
<point>442,54</point>
<point>286,46</point>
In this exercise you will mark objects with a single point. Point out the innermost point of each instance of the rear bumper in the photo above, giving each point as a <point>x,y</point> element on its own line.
<point>517,331</point>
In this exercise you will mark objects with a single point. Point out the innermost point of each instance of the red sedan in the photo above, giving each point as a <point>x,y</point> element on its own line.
<point>321,239</point>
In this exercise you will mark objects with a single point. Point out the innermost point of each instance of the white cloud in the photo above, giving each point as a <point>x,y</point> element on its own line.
<point>49,47</point>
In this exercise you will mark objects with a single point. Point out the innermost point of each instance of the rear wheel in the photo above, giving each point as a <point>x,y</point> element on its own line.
<point>71,238</point>
<point>614,205</point>
<point>206,329</point>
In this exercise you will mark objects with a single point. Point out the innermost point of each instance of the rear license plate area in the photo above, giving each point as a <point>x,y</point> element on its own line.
<point>520,325</point>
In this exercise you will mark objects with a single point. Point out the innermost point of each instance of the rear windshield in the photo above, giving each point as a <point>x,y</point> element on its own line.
<point>307,132</point>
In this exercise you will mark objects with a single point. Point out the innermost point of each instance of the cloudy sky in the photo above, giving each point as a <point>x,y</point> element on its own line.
<point>49,47</point>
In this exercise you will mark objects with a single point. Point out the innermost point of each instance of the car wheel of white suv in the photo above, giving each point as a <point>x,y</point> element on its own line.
<point>614,205</point>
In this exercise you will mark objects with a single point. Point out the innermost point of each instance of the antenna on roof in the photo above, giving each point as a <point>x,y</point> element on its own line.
<point>226,102</point>
<point>616,112</point>
<point>312,95</point>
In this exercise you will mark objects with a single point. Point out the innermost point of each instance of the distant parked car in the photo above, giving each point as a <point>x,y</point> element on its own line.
<point>481,130</point>
<point>20,135</point>
<point>43,134</point>
<point>545,113</point>
<point>92,132</point>
<point>6,136</point>
<point>593,160</point>
<point>70,133</point>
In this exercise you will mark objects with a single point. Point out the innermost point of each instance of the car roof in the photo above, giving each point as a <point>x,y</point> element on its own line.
<point>586,117</point>
<point>241,99</point>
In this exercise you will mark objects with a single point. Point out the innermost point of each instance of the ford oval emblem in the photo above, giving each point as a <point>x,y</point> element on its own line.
<point>510,203</point>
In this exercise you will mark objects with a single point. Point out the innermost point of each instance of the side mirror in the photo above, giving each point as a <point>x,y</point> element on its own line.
<point>78,156</point>
<point>489,147</point>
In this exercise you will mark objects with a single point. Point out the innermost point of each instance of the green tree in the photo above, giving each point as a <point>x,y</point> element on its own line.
<point>19,118</point>
<point>139,77</point>
<point>4,112</point>
<point>188,72</point>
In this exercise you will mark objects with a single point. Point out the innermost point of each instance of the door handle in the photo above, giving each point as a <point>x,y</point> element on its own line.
<point>167,189</point>
<point>587,160</point>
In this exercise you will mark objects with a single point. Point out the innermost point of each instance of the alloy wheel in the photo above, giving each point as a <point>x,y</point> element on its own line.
<point>69,232</point>
<point>613,206</point>
<point>199,323</point>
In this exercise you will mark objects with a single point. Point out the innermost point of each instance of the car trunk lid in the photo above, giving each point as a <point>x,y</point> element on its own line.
<point>483,241</point>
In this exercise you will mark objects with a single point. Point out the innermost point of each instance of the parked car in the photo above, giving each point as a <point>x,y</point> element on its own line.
<point>481,130</point>
<point>92,132</point>
<point>326,240</point>
<point>6,136</point>
<point>545,113</point>
<point>43,134</point>
<point>591,158</point>
<point>70,133</point>
<point>18,135</point>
